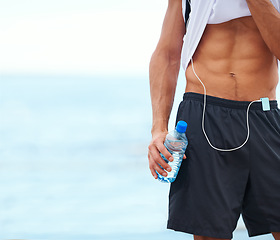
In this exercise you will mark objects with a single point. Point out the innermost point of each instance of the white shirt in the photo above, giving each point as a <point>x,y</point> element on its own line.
<point>226,10</point>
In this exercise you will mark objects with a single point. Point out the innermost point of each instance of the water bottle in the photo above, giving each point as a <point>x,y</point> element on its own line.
<point>176,143</point>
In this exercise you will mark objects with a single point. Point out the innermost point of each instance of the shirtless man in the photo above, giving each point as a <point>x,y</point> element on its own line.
<point>237,62</point>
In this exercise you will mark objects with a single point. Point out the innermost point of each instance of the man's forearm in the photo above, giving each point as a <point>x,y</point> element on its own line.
<point>267,19</point>
<point>163,81</point>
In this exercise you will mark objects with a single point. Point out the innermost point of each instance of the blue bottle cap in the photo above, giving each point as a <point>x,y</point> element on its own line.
<point>181,126</point>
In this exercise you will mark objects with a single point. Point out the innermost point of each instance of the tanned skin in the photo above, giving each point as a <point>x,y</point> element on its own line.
<point>236,60</point>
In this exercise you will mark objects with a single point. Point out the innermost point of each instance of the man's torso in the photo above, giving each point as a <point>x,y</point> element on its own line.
<point>234,62</point>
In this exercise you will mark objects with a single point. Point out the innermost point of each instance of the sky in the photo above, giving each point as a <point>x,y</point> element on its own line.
<point>78,36</point>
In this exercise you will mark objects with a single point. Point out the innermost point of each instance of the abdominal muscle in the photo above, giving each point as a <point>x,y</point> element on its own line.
<point>233,62</point>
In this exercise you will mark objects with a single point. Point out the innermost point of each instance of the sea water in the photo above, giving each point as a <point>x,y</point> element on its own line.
<point>69,163</point>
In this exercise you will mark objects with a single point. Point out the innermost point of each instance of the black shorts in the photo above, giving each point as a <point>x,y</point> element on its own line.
<point>213,188</point>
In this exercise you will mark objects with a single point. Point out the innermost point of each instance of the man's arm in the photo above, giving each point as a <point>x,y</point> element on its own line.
<point>164,70</point>
<point>267,19</point>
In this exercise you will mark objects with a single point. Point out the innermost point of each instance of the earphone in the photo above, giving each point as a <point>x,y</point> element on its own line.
<point>265,105</point>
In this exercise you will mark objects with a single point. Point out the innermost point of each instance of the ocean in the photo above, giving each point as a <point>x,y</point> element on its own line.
<point>73,160</point>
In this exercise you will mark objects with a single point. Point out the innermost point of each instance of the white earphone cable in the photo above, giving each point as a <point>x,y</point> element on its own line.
<point>203,118</point>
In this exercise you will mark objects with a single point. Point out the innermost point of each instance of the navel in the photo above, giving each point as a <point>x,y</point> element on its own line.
<point>232,74</point>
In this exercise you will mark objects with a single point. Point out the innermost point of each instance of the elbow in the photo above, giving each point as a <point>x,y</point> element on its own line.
<point>174,56</point>
<point>277,54</point>
<point>174,60</point>
<point>274,47</point>
<point>166,58</point>
<point>275,50</point>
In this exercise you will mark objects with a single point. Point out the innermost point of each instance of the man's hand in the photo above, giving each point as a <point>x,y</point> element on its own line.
<point>155,148</point>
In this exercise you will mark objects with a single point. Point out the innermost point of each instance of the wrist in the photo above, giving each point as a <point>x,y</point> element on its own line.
<point>160,125</point>
<point>157,130</point>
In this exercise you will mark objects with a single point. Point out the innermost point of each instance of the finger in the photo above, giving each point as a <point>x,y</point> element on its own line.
<point>152,170</point>
<point>154,166</point>
<point>158,159</point>
<point>165,152</point>
<point>184,156</point>
<point>160,170</point>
